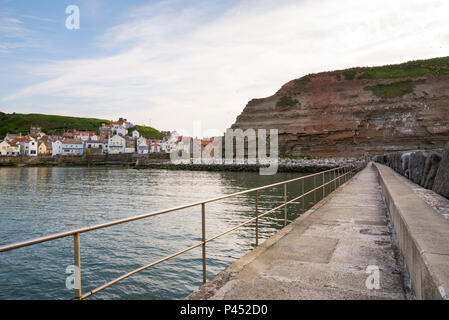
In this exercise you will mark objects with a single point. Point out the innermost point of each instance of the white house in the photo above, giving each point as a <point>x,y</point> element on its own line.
<point>142,147</point>
<point>116,145</point>
<point>136,134</point>
<point>28,147</point>
<point>56,148</point>
<point>139,140</point>
<point>121,130</point>
<point>170,143</point>
<point>98,143</point>
<point>155,147</point>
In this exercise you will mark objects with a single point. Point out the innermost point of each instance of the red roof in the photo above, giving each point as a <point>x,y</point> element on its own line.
<point>72,141</point>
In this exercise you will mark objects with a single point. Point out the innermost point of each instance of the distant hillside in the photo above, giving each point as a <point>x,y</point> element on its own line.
<point>147,132</point>
<point>50,124</point>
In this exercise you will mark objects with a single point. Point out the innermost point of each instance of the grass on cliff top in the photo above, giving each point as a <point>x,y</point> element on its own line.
<point>411,69</point>
<point>147,132</point>
<point>50,124</point>
<point>393,89</point>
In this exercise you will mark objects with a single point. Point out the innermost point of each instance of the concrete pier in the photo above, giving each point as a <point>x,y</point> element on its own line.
<point>330,252</point>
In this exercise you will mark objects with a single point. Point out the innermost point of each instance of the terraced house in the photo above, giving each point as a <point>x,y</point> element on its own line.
<point>116,145</point>
<point>43,148</point>
<point>72,147</point>
<point>9,149</point>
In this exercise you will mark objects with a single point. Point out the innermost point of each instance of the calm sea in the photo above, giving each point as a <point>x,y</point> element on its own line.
<point>40,201</point>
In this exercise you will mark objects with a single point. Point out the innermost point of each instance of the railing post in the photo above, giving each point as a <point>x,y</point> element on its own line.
<point>285,204</point>
<point>257,218</point>
<point>303,197</point>
<point>203,224</point>
<point>335,180</point>
<point>314,191</point>
<point>323,186</point>
<point>77,260</point>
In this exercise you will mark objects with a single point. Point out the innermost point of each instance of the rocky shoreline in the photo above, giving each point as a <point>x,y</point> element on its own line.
<point>152,162</point>
<point>427,168</point>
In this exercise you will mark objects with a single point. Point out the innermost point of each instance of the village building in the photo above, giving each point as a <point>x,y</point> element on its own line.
<point>130,145</point>
<point>96,142</point>
<point>105,130</point>
<point>35,130</point>
<point>142,147</point>
<point>139,140</point>
<point>169,141</point>
<point>116,145</point>
<point>72,147</point>
<point>4,145</point>
<point>12,136</point>
<point>84,135</point>
<point>9,148</point>
<point>155,147</point>
<point>121,131</point>
<point>43,148</point>
<point>28,146</point>
<point>56,148</point>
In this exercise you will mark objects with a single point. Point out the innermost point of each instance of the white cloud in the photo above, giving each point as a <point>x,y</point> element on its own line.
<point>179,66</point>
<point>14,34</point>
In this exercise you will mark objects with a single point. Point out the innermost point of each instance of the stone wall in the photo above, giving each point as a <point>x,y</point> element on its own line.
<point>428,168</point>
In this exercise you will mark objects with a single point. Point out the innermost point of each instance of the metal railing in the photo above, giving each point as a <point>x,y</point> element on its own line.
<point>330,179</point>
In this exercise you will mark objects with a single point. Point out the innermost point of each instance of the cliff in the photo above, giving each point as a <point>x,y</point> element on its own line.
<point>358,111</point>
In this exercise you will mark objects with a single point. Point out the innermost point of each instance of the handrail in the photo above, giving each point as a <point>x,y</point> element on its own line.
<point>146,215</point>
<point>340,176</point>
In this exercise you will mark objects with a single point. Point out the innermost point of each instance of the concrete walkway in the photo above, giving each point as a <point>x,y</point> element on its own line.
<point>323,254</point>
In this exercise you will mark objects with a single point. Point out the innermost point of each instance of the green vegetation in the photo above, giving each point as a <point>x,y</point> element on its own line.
<point>147,132</point>
<point>290,156</point>
<point>409,69</point>
<point>349,74</point>
<point>286,102</point>
<point>303,80</point>
<point>393,89</point>
<point>50,124</point>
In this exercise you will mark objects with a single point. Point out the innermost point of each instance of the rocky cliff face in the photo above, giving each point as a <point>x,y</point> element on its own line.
<point>359,111</point>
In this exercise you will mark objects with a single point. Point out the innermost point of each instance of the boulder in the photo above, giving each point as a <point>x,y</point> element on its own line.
<point>405,159</point>
<point>389,160</point>
<point>441,183</point>
<point>416,165</point>
<point>430,170</point>
<point>397,163</point>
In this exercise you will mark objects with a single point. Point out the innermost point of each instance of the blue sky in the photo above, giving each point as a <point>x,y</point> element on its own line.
<point>169,63</point>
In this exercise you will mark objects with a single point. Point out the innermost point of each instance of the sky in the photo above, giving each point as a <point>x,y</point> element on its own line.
<point>172,63</point>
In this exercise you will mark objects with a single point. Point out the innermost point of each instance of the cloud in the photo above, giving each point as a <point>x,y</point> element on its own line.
<point>203,62</point>
<point>14,34</point>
